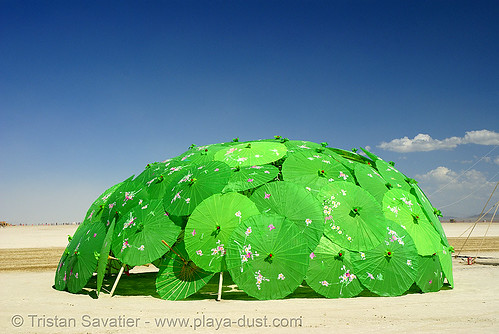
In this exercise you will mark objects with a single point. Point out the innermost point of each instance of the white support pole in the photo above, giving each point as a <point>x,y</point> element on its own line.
<point>117,279</point>
<point>220,282</point>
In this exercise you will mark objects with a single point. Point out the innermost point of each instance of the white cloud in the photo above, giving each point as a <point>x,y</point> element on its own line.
<point>424,142</point>
<point>460,194</point>
<point>492,160</point>
<point>482,137</point>
<point>439,175</point>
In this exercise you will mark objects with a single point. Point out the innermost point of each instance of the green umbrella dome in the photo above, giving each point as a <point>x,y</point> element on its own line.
<point>271,213</point>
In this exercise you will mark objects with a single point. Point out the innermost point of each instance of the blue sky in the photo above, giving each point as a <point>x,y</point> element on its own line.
<point>90,92</point>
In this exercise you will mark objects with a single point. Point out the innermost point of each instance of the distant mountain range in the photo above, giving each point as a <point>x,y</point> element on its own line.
<point>473,218</point>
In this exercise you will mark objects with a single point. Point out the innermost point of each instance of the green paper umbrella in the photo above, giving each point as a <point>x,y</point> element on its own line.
<point>138,235</point>
<point>302,145</point>
<point>349,164</point>
<point>430,277</point>
<point>104,256</point>
<point>60,274</point>
<point>350,155</point>
<point>403,208</point>
<point>370,180</point>
<point>445,256</point>
<point>104,207</point>
<point>251,154</point>
<point>98,215</point>
<point>93,217</point>
<point>101,203</point>
<point>250,177</point>
<point>154,179</point>
<point>395,178</point>
<point>330,271</point>
<point>314,170</point>
<point>372,156</point>
<point>210,226</point>
<point>202,154</point>
<point>194,184</point>
<point>130,194</point>
<point>267,256</point>
<point>196,156</point>
<point>429,211</point>
<point>296,204</point>
<point>391,268</point>
<point>178,276</point>
<point>354,220</point>
<point>82,261</point>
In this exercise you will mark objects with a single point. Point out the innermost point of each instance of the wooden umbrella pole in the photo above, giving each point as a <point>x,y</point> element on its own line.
<point>220,283</point>
<point>117,279</point>
<point>184,260</point>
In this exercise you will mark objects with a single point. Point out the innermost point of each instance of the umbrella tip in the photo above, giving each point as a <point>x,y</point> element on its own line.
<point>320,149</point>
<point>355,212</point>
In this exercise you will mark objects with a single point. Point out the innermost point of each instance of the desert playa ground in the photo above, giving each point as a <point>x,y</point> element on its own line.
<point>29,256</point>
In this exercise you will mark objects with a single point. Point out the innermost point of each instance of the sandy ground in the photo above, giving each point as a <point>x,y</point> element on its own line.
<point>28,256</point>
<point>43,236</point>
